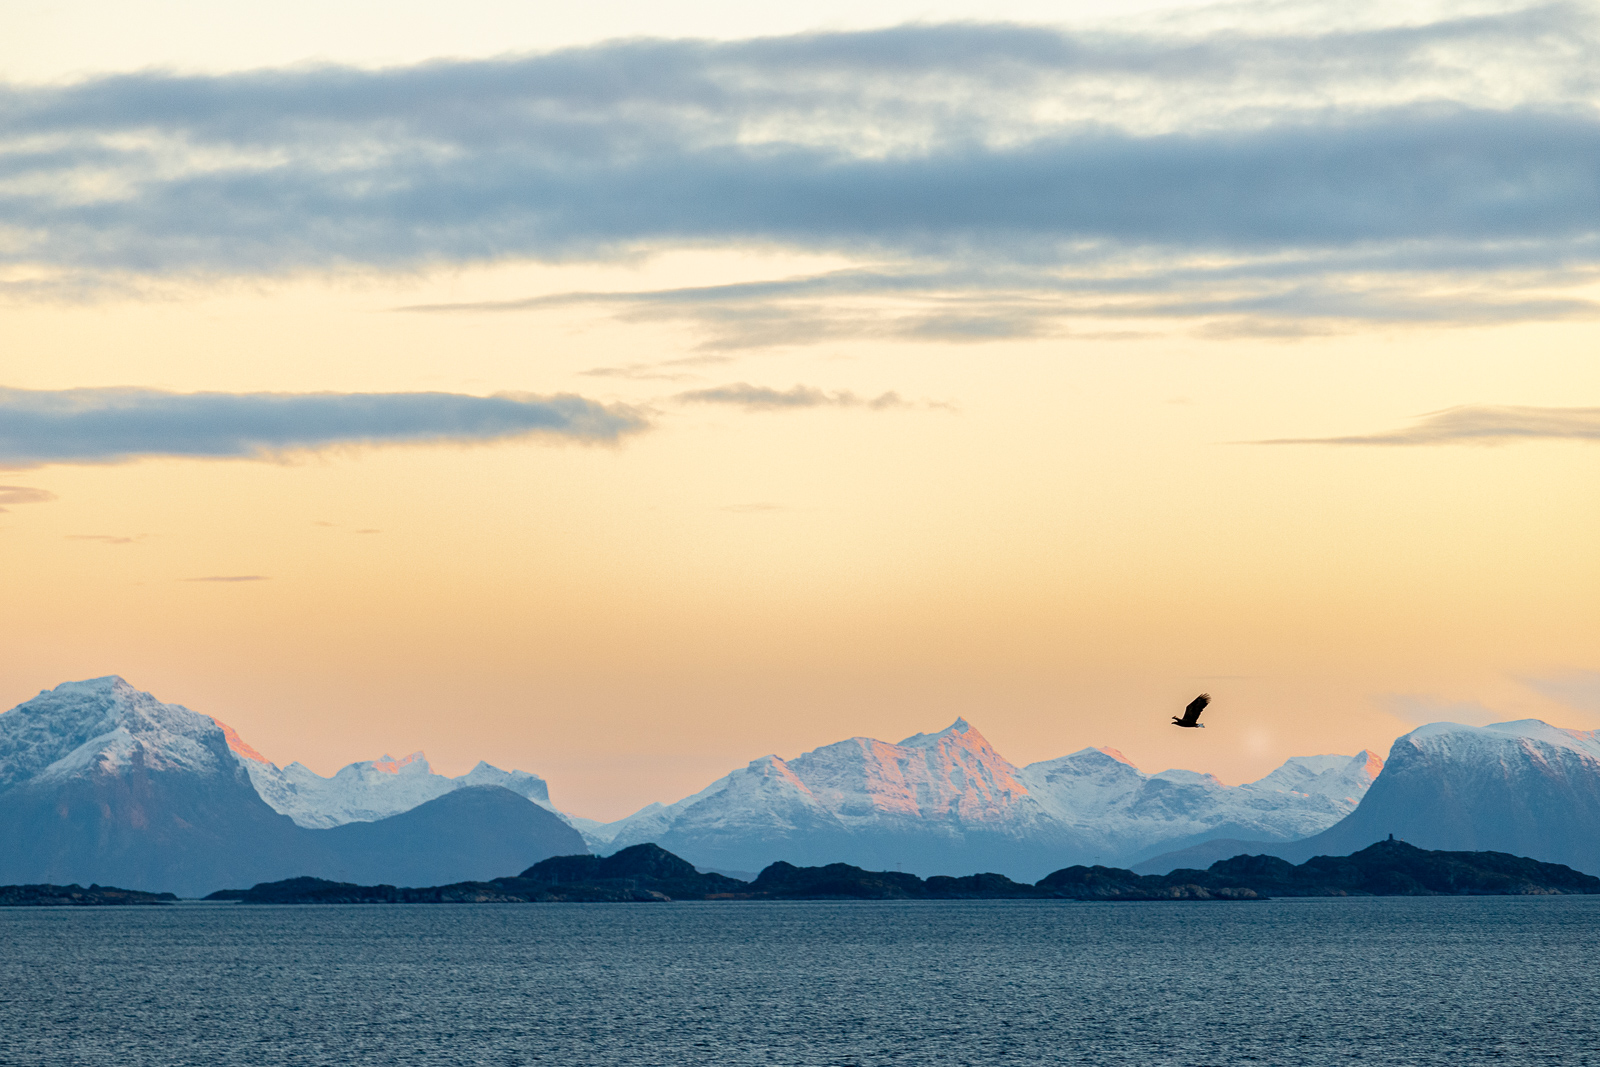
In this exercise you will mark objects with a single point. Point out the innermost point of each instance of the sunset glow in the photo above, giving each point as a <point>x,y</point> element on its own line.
<point>627,410</point>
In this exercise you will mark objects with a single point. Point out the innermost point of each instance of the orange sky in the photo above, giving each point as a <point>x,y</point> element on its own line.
<point>1061,537</point>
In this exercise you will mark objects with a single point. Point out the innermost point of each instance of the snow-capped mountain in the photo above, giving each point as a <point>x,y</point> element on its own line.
<point>938,802</point>
<point>1524,787</point>
<point>947,802</point>
<point>105,723</point>
<point>368,790</point>
<point>100,782</point>
<point>1129,814</point>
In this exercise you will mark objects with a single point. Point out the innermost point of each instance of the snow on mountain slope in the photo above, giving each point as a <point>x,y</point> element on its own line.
<point>368,790</point>
<point>928,801</point>
<point>100,782</point>
<point>951,778</point>
<point>933,803</point>
<point>838,786</point>
<point>1344,779</point>
<point>105,723</point>
<point>936,801</point>
<point>1523,787</point>
<point>1131,813</point>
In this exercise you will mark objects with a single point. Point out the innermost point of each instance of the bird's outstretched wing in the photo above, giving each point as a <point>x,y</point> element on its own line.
<point>1191,714</point>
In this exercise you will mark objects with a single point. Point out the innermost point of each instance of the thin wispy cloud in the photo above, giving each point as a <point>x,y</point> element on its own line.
<point>667,370</point>
<point>112,425</point>
<point>1422,710</point>
<point>231,578</point>
<point>1476,425</point>
<point>23,494</point>
<point>1576,689</point>
<point>1395,170</point>
<point>106,539</point>
<point>1292,295</point>
<point>764,398</point>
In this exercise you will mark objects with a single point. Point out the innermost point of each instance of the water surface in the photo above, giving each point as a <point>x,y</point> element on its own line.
<point>1352,981</point>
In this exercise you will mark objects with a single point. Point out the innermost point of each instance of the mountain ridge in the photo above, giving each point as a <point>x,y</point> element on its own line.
<point>100,782</point>
<point>948,798</point>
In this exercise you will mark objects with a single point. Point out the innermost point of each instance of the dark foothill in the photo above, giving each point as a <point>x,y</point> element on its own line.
<point>645,873</point>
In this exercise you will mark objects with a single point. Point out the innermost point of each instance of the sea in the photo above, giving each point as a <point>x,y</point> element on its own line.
<point>1390,981</point>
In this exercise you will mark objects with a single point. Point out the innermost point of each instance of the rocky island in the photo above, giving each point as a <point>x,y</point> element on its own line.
<point>646,873</point>
<point>49,896</point>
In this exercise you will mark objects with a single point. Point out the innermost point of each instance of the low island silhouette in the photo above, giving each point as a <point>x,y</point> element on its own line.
<point>649,873</point>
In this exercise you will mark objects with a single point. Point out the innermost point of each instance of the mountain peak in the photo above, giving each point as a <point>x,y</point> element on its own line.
<point>239,745</point>
<point>101,725</point>
<point>961,729</point>
<point>389,765</point>
<point>107,685</point>
<point>1584,741</point>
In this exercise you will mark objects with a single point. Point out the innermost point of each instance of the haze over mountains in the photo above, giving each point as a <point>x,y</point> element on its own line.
<point>102,783</point>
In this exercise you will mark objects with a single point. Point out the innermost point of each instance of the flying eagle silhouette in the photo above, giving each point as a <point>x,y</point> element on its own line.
<point>1191,714</point>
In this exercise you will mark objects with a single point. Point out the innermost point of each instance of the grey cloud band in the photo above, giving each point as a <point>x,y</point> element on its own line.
<point>996,180</point>
<point>1001,142</point>
<point>109,425</point>
<point>1477,424</point>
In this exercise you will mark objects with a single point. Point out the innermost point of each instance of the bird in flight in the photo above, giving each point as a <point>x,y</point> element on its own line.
<point>1191,714</point>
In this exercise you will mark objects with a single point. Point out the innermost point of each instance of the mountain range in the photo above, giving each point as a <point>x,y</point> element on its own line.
<point>948,801</point>
<point>100,782</point>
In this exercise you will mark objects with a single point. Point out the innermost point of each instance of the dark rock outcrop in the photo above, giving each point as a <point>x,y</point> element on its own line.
<point>51,896</point>
<point>1395,868</point>
<point>642,873</point>
<point>784,881</point>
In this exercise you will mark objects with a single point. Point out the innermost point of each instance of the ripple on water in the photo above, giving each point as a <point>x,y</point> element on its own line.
<point>1306,982</point>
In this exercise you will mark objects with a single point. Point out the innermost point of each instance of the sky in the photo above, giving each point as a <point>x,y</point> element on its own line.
<point>625,393</point>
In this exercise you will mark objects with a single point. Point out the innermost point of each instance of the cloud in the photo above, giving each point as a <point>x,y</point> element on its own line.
<point>1426,709</point>
<point>22,494</point>
<point>1477,424</point>
<point>231,578</point>
<point>108,539</point>
<point>111,425</point>
<point>1576,689</point>
<point>1142,159</point>
<point>1290,295</point>
<point>762,398</point>
<point>668,370</point>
